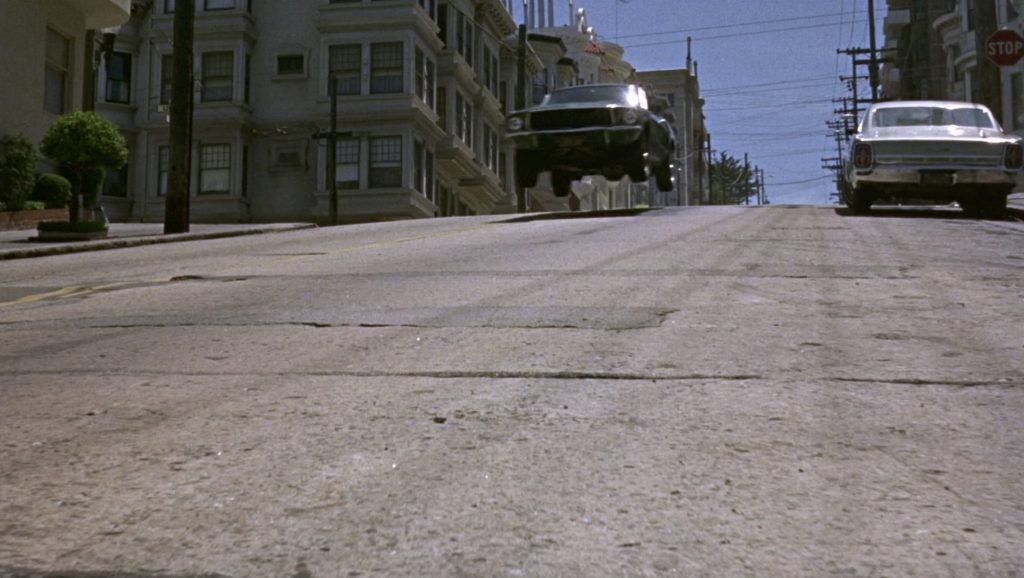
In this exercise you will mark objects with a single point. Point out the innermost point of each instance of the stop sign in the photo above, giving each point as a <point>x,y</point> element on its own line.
<point>1005,47</point>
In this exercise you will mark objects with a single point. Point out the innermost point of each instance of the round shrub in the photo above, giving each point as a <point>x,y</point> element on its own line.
<point>54,190</point>
<point>17,170</point>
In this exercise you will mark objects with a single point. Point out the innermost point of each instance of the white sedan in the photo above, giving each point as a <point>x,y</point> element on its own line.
<point>933,151</point>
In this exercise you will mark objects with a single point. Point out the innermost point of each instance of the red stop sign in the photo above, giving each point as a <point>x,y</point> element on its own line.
<point>1005,47</point>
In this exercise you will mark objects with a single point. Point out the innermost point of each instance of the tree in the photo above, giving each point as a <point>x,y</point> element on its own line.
<point>17,170</point>
<point>84,144</point>
<point>729,180</point>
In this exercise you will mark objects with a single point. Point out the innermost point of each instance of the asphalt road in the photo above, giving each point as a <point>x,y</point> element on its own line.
<point>780,391</point>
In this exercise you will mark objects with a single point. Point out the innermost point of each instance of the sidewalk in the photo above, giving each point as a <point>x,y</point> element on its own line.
<point>20,244</point>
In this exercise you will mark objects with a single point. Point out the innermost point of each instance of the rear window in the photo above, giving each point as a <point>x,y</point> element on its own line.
<point>931,116</point>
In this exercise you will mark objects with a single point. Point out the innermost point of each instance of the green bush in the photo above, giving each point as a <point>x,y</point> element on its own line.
<point>84,143</point>
<point>53,190</point>
<point>66,227</point>
<point>33,206</point>
<point>17,169</point>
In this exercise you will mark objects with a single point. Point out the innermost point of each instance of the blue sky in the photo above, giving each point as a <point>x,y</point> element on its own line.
<point>768,71</point>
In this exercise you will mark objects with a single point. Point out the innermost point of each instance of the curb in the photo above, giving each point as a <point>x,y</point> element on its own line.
<point>142,240</point>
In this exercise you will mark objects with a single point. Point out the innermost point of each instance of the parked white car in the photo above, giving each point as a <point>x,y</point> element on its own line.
<point>934,151</point>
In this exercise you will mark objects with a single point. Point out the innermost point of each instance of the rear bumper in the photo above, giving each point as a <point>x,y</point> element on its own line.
<point>932,182</point>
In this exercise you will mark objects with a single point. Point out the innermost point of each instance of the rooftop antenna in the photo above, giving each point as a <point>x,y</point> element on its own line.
<point>689,53</point>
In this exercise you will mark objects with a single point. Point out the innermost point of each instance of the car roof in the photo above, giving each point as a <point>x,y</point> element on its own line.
<point>926,103</point>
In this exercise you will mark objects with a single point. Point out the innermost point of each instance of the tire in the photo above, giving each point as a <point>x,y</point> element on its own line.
<point>663,176</point>
<point>858,201</point>
<point>561,183</point>
<point>987,205</point>
<point>526,170</point>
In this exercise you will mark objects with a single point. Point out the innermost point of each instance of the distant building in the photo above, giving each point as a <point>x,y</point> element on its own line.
<point>679,91</point>
<point>47,51</point>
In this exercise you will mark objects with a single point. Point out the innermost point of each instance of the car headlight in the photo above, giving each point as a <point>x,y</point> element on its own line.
<point>629,116</point>
<point>515,123</point>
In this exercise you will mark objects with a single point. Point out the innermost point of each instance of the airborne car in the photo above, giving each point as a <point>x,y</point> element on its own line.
<point>604,129</point>
<point>932,150</point>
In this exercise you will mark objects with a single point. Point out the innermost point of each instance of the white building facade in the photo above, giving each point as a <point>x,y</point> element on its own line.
<point>420,109</point>
<point>46,64</point>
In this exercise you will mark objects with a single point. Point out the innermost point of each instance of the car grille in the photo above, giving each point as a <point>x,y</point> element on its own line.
<point>566,119</point>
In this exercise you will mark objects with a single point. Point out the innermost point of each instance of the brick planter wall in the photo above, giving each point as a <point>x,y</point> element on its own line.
<point>18,220</point>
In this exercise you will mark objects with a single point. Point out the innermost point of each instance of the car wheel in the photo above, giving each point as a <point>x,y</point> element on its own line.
<point>526,170</point>
<point>987,205</point>
<point>561,182</point>
<point>663,176</point>
<point>858,200</point>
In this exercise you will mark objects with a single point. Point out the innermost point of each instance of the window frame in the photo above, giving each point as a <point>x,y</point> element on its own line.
<point>386,172</point>
<point>221,82</point>
<point>352,73</point>
<point>124,80</point>
<point>57,73</point>
<point>387,70</point>
<point>222,163</point>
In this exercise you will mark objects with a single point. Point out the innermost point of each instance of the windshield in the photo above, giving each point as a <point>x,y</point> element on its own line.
<point>931,116</point>
<point>621,95</point>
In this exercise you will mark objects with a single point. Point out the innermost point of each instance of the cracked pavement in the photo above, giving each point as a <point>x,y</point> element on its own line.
<point>778,391</point>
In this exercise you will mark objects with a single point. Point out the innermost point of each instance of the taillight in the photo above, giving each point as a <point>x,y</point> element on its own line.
<point>1013,158</point>
<point>862,157</point>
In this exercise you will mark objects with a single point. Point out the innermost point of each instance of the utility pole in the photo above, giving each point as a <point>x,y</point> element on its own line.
<point>987,89</point>
<point>176,214</point>
<point>521,193</point>
<point>873,64</point>
<point>332,149</point>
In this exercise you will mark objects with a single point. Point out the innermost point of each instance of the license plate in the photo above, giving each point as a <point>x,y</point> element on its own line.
<point>938,179</point>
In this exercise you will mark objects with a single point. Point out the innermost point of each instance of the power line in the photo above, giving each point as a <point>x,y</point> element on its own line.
<point>734,35</point>
<point>739,25</point>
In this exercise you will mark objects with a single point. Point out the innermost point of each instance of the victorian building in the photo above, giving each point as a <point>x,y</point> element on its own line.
<point>420,105</point>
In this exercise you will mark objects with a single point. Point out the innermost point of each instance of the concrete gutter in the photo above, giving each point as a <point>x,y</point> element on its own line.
<point>21,244</point>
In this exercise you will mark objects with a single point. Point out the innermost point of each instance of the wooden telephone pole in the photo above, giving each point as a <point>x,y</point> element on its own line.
<point>179,177</point>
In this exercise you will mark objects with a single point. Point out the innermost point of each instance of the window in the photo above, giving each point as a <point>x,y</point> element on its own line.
<point>464,119</point>
<point>425,78</point>
<point>346,66</point>
<point>247,86</point>
<point>166,78</point>
<point>386,68</point>
<point>464,37</point>
<point>491,71</point>
<point>442,23</point>
<point>58,78</point>
<point>218,76</point>
<point>442,108</point>
<point>490,148</point>
<point>423,159</point>
<point>430,7</point>
<point>214,169</point>
<point>212,5</point>
<point>346,160</point>
<point>385,161</point>
<point>163,169</point>
<point>168,6</point>
<point>291,64</point>
<point>116,183</point>
<point>119,77</point>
